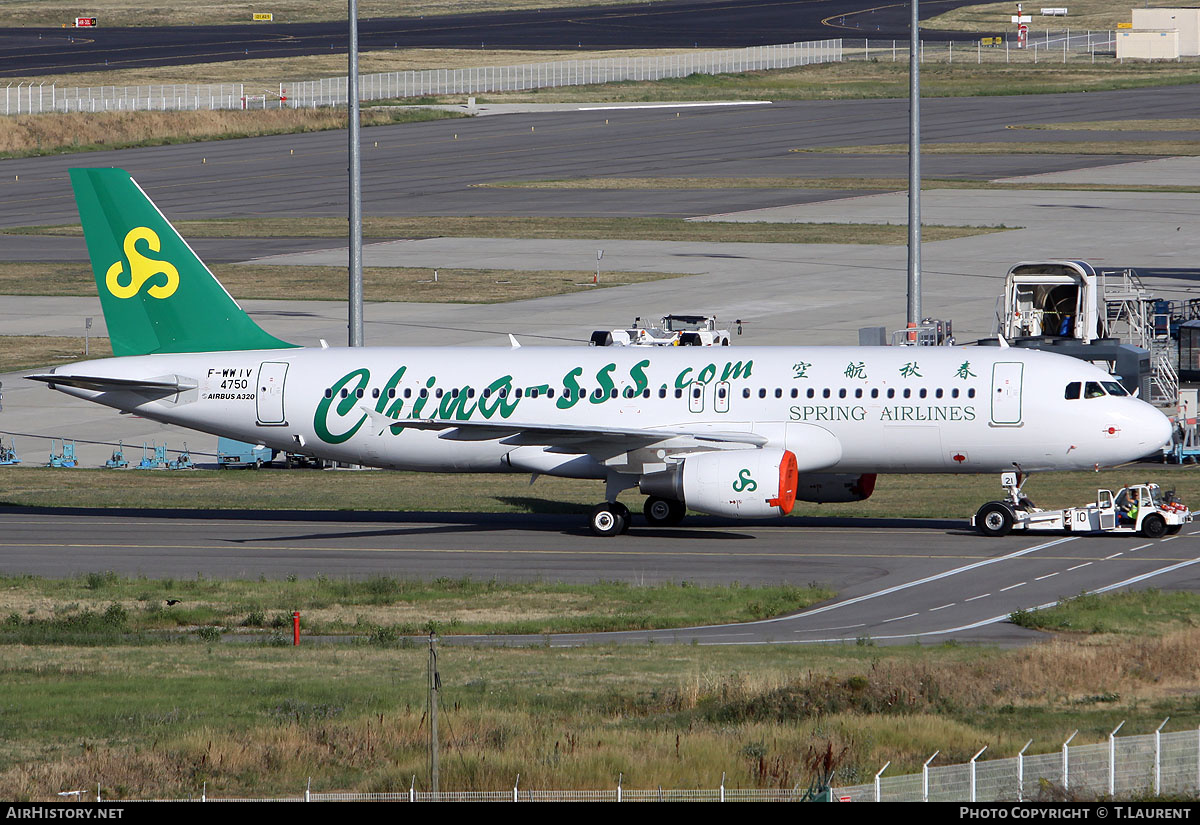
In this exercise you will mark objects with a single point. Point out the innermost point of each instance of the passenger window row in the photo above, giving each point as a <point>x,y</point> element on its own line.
<point>859,392</point>
<point>722,392</point>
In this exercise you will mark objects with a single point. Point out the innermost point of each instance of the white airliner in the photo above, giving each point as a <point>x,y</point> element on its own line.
<point>732,432</point>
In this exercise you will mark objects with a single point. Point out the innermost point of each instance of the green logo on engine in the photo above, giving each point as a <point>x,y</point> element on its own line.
<point>745,483</point>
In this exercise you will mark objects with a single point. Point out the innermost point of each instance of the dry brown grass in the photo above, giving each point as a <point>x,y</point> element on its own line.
<point>1165,124</point>
<point>23,352</point>
<point>328,283</point>
<point>1168,148</point>
<point>467,286</point>
<point>268,73</point>
<point>56,133</point>
<point>633,229</point>
<point>846,184</point>
<point>1097,15</point>
<point>670,716</point>
<point>701,183</point>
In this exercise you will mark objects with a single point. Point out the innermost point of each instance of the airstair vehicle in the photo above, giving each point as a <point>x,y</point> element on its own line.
<point>1107,317</point>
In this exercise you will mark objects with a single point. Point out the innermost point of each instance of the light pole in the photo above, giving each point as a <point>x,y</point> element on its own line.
<point>914,168</point>
<point>356,288</point>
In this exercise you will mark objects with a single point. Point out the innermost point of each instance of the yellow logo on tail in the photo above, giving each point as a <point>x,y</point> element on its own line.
<point>141,268</point>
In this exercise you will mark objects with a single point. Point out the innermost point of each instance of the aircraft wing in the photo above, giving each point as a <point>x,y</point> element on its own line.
<point>164,384</point>
<point>565,437</point>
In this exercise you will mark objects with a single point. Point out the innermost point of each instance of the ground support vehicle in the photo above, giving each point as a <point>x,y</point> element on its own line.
<point>1139,508</point>
<point>673,331</point>
<point>234,453</point>
<point>65,458</point>
<point>118,460</point>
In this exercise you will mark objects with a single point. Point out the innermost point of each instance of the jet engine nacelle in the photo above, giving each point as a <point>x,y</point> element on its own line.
<point>739,483</point>
<point>825,488</point>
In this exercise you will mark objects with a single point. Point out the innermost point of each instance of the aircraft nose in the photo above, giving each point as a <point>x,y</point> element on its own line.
<point>1154,428</point>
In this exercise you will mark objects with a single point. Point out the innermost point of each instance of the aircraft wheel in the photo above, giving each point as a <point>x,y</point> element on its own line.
<point>1154,526</point>
<point>607,520</point>
<point>663,512</point>
<point>626,517</point>
<point>994,519</point>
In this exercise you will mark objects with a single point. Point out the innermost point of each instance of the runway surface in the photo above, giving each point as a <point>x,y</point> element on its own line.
<point>707,24</point>
<point>897,580</point>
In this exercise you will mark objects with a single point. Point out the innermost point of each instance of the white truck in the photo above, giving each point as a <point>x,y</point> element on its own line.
<point>672,331</point>
<point>1139,508</point>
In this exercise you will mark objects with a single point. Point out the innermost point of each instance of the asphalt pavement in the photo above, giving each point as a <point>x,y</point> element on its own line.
<point>704,24</point>
<point>898,580</point>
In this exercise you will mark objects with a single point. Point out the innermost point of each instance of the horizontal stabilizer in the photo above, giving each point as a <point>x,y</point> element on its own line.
<point>163,384</point>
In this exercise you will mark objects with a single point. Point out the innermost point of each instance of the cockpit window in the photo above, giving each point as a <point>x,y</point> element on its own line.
<point>1073,390</point>
<point>1092,389</point>
<point>1114,388</point>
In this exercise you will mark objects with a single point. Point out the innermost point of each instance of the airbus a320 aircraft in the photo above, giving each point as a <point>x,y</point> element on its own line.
<point>742,434</point>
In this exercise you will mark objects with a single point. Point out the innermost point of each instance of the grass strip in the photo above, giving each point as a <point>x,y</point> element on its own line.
<point>1140,611</point>
<point>919,496</point>
<point>874,79</point>
<point>95,607</point>
<point>1101,16</point>
<point>163,720</point>
<point>841,184</point>
<point>1166,124</point>
<point>54,134</point>
<point>26,352</point>
<point>632,229</point>
<point>277,74</point>
<point>1169,148</point>
<point>326,283</point>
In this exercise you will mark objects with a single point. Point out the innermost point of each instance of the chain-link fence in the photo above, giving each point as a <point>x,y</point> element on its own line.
<point>1066,45</point>
<point>1124,766</point>
<point>30,98</point>
<point>1063,46</point>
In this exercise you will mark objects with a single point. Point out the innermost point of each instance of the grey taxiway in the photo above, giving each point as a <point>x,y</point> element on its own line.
<point>898,581</point>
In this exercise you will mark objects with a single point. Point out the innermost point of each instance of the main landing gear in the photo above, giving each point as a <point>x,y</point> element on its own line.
<point>663,512</point>
<point>613,518</point>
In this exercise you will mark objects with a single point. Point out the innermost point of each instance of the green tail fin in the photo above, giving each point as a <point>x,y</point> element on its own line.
<point>156,294</point>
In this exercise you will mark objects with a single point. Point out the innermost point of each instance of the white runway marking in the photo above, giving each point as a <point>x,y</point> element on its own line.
<point>1012,586</point>
<point>673,105</point>
<point>936,577</point>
